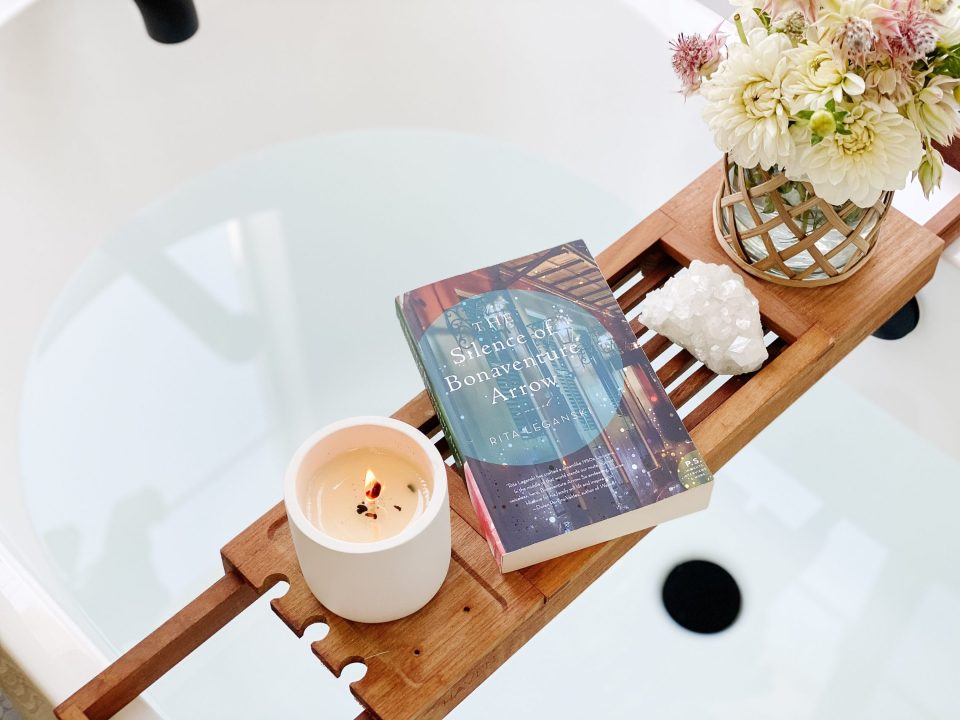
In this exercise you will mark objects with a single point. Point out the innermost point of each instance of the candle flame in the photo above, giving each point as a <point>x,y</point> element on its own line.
<point>371,486</point>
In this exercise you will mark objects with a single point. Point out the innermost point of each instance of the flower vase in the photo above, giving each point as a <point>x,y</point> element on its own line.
<point>780,230</point>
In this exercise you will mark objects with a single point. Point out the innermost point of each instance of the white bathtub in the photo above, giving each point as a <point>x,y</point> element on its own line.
<point>183,228</point>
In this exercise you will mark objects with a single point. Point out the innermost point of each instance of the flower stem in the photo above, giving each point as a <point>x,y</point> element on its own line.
<point>739,23</point>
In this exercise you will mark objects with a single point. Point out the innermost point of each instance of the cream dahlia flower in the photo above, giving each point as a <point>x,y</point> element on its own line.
<point>949,26</point>
<point>896,83</point>
<point>878,152</point>
<point>745,105</point>
<point>815,77</point>
<point>935,110</point>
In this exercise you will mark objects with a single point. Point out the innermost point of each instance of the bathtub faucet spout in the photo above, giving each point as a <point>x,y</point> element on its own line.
<point>169,21</point>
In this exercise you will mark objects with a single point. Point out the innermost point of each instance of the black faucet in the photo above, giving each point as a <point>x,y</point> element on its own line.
<point>169,21</point>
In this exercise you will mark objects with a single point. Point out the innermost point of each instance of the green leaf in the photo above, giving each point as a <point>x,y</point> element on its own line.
<point>805,114</point>
<point>814,138</point>
<point>843,130</point>
<point>949,62</point>
<point>839,115</point>
<point>950,68</point>
<point>831,105</point>
<point>764,18</point>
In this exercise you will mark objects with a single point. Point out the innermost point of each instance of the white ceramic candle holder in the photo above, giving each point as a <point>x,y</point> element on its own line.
<point>374,581</point>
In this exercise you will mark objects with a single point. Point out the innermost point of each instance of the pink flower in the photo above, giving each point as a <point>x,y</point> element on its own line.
<point>857,30</point>
<point>856,40</point>
<point>695,58</point>
<point>914,32</point>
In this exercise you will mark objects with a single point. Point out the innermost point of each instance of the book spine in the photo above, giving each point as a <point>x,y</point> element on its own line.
<point>431,391</point>
<point>476,497</point>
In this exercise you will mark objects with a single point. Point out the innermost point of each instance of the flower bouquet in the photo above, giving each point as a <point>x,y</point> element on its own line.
<point>823,109</point>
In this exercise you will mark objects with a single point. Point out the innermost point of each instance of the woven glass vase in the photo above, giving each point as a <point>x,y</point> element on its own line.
<point>780,230</point>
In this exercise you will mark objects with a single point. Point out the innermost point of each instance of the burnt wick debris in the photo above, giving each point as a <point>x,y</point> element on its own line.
<point>371,515</point>
<point>361,509</point>
<point>411,488</point>
<point>399,509</point>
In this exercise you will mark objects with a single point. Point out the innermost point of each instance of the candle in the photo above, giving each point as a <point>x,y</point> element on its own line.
<point>346,498</point>
<point>369,517</point>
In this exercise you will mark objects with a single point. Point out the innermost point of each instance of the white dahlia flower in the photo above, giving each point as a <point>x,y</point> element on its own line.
<point>949,26</point>
<point>815,77</point>
<point>876,153</point>
<point>895,82</point>
<point>745,105</point>
<point>935,110</point>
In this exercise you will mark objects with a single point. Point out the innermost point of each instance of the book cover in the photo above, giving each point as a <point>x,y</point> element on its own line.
<point>564,434</point>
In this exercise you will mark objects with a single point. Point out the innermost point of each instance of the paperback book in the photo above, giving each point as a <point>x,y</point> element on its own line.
<point>562,430</point>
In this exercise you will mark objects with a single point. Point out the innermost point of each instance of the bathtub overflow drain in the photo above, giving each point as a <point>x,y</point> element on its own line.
<point>701,596</point>
<point>903,322</point>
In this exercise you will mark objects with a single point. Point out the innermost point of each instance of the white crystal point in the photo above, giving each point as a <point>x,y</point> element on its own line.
<point>708,310</point>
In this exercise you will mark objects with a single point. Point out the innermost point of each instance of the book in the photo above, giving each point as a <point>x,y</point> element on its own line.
<point>561,428</point>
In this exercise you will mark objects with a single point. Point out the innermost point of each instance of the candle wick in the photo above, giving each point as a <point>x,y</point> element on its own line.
<point>371,488</point>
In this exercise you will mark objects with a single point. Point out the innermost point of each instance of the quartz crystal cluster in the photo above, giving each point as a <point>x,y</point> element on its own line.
<point>707,309</point>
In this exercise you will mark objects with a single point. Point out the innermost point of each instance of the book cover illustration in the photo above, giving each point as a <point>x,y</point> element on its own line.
<point>552,411</point>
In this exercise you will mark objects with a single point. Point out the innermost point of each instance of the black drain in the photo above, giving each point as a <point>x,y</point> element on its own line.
<point>701,596</point>
<point>903,322</point>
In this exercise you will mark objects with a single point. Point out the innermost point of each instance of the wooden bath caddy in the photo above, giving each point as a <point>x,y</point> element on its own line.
<point>423,665</point>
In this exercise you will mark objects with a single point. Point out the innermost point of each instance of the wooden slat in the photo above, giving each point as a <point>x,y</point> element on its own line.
<point>653,276</point>
<point>675,367</point>
<point>443,446</point>
<point>655,346</point>
<point>419,413</point>
<point>698,380</point>
<point>638,328</point>
<point>651,280</point>
<point>727,390</point>
<point>148,660</point>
